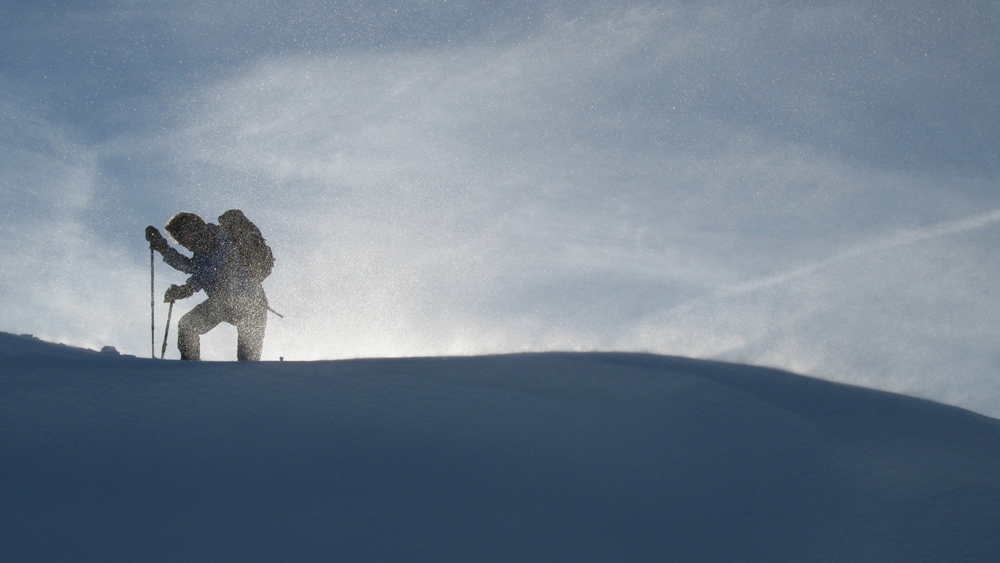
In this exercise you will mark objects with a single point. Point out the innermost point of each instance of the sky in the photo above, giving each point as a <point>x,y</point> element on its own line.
<point>809,185</point>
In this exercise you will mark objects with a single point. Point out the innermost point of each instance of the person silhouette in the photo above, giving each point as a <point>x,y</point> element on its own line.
<point>235,294</point>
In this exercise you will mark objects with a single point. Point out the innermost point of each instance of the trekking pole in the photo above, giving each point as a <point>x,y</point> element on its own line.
<point>163,351</point>
<point>152,307</point>
<point>275,312</point>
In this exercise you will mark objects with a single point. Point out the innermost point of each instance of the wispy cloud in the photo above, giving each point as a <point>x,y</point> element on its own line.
<point>757,181</point>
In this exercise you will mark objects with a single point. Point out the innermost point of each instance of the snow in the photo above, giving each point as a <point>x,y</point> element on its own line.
<point>540,457</point>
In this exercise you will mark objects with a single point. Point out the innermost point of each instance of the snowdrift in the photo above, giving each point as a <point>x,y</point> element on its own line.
<point>534,457</point>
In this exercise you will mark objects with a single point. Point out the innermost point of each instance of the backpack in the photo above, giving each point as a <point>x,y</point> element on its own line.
<point>255,254</point>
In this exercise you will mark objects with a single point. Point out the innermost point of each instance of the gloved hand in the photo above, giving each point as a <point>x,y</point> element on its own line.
<point>176,292</point>
<point>156,240</point>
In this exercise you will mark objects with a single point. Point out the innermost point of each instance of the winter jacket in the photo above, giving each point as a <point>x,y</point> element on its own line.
<point>218,271</point>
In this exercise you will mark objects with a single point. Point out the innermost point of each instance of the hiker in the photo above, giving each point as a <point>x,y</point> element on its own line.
<point>231,279</point>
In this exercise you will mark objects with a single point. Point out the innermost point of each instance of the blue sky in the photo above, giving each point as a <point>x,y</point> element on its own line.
<point>807,185</point>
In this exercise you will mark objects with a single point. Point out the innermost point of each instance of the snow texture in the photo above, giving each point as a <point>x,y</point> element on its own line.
<point>529,457</point>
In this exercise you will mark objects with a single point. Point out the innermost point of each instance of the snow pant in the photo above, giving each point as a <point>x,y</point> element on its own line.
<point>249,316</point>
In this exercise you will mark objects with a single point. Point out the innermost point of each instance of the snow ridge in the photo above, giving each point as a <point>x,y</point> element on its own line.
<point>552,456</point>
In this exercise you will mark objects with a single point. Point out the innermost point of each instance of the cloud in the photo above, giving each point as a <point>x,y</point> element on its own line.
<point>60,279</point>
<point>754,181</point>
<point>439,176</point>
<point>904,312</point>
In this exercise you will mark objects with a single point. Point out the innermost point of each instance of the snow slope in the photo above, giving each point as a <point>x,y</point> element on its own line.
<point>535,457</point>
